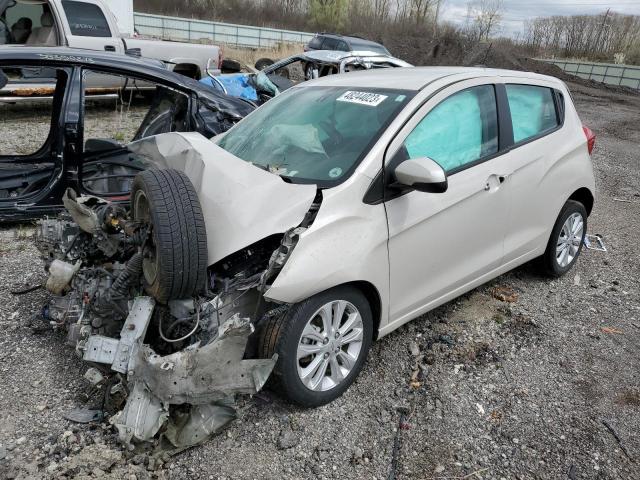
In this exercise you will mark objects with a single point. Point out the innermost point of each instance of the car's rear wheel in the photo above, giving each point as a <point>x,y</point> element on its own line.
<point>567,237</point>
<point>322,343</point>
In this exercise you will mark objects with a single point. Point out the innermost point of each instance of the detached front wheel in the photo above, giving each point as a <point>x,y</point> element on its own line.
<point>174,262</point>
<point>321,343</point>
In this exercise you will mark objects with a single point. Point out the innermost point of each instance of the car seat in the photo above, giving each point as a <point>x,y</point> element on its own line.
<point>46,34</point>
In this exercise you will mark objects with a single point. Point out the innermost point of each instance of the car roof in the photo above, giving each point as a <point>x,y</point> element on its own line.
<point>89,58</point>
<point>416,78</point>
<point>349,38</point>
<point>336,56</point>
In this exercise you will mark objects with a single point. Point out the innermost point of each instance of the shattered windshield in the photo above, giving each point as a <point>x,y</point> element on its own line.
<point>315,134</point>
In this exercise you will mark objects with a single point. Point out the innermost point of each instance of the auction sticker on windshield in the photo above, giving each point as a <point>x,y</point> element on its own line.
<point>362,98</point>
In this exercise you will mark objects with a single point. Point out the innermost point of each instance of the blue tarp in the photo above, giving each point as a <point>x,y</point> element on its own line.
<point>236,85</point>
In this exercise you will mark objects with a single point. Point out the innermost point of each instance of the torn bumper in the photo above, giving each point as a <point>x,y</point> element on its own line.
<point>201,379</point>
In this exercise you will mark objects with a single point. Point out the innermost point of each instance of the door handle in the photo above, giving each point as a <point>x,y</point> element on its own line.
<point>494,181</point>
<point>109,48</point>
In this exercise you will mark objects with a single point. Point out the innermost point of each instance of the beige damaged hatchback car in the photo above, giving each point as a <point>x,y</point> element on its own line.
<point>327,218</point>
<point>433,181</point>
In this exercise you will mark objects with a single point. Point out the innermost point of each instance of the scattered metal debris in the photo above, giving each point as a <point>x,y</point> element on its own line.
<point>594,242</point>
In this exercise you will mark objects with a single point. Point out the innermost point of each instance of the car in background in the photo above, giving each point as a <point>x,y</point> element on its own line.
<point>61,128</point>
<point>344,43</point>
<point>260,86</point>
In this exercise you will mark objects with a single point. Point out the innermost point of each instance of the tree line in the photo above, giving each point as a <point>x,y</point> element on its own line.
<point>594,37</point>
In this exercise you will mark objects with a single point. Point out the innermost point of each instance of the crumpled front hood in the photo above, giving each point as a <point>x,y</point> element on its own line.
<point>241,203</point>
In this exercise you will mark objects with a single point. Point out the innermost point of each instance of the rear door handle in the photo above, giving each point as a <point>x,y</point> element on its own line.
<point>109,48</point>
<point>494,181</point>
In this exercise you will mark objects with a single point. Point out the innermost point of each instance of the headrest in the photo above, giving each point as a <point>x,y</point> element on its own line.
<point>46,19</point>
<point>24,22</point>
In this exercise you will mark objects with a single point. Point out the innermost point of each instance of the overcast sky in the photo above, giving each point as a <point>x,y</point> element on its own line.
<point>516,12</point>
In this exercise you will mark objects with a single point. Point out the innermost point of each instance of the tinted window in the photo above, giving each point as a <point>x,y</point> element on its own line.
<point>343,46</point>
<point>330,44</point>
<point>458,131</point>
<point>86,19</point>
<point>532,110</point>
<point>316,42</point>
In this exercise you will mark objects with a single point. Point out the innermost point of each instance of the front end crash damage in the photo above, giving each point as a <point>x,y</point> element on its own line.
<point>177,364</point>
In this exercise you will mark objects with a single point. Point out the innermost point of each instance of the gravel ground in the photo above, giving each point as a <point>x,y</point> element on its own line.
<point>524,378</point>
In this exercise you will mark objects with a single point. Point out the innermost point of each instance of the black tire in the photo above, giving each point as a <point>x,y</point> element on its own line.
<point>230,66</point>
<point>263,63</point>
<point>549,262</point>
<point>175,264</point>
<point>281,334</point>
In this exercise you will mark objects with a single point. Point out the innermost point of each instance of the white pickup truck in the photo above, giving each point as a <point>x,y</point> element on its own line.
<point>90,24</point>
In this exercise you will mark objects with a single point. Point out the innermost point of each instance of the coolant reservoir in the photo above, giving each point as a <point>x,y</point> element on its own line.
<point>60,275</point>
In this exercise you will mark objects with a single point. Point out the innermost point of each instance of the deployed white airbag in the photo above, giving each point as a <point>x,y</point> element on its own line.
<point>241,203</point>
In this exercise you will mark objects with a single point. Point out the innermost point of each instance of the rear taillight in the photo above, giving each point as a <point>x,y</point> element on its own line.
<point>591,138</point>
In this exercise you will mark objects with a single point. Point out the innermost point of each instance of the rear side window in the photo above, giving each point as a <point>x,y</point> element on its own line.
<point>316,42</point>
<point>459,131</point>
<point>330,44</point>
<point>533,111</point>
<point>86,19</point>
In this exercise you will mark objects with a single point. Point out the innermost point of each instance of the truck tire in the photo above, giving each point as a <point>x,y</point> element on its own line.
<point>263,63</point>
<point>230,66</point>
<point>175,252</point>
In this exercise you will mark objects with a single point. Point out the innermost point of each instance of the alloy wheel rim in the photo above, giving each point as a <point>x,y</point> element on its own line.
<point>330,345</point>
<point>569,240</point>
<point>142,213</point>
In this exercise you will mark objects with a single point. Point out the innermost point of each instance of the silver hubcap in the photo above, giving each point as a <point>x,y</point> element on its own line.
<point>330,345</point>
<point>569,240</point>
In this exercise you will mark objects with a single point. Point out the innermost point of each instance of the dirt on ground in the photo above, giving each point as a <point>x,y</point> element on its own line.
<point>525,377</point>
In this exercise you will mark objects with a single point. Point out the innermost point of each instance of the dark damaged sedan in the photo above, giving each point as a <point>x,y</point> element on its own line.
<point>66,114</point>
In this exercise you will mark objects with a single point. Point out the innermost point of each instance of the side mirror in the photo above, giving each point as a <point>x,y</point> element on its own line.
<point>422,174</point>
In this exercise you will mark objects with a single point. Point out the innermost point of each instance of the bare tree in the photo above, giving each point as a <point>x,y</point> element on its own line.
<point>483,18</point>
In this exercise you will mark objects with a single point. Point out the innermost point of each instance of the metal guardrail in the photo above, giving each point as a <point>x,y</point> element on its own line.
<point>624,75</point>
<point>185,29</point>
